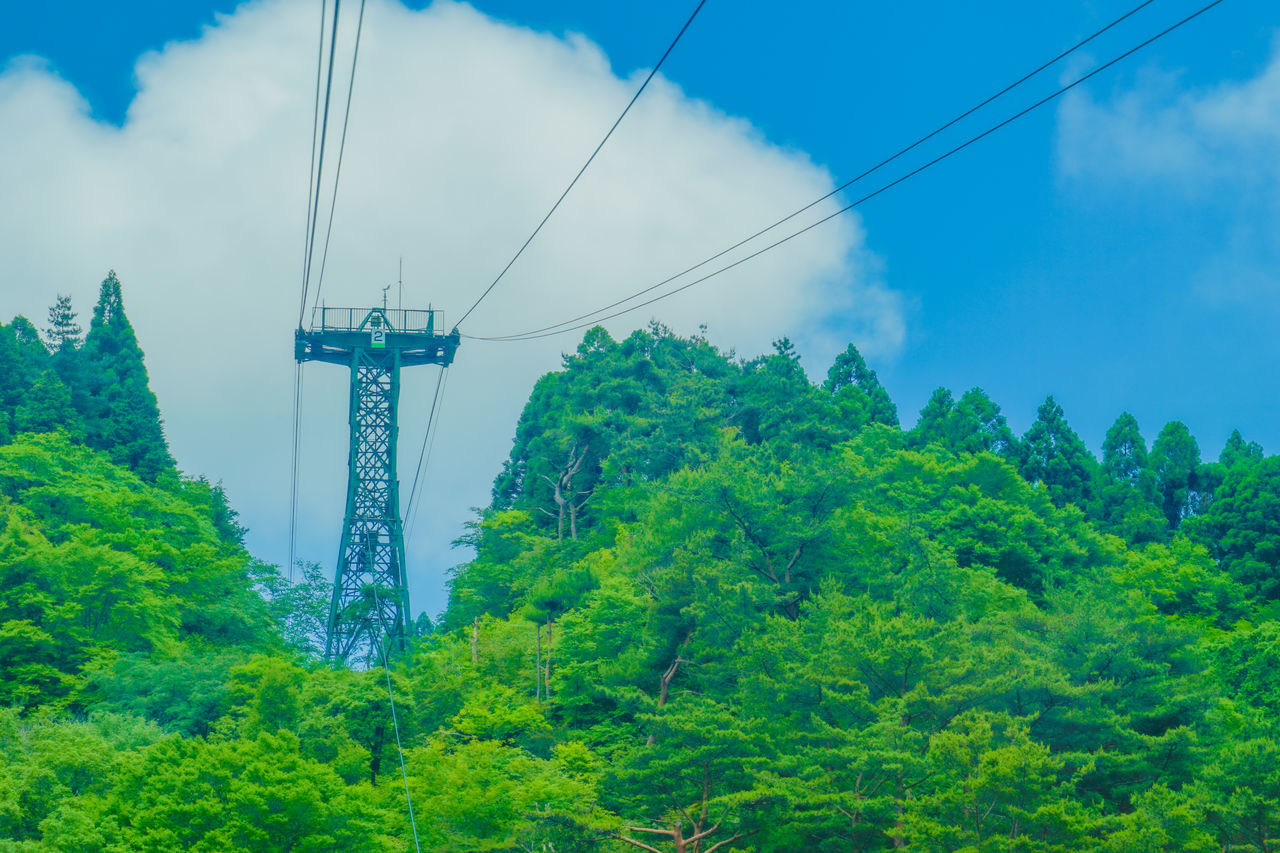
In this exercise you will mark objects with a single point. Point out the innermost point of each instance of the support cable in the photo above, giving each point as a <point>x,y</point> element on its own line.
<point>572,183</point>
<point>324,128</point>
<point>311,170</point>
<point>293,480</point>
<point>431,415</point>
<point>395,722</point>
<point>302,303</point>
<point>885,162</point>
<point>342,145</point>
<point>430,447</point>
<point>532,335</point>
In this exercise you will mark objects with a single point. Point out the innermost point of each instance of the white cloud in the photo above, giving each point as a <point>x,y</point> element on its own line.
<point>1217,146</point>
<point>463,131</point>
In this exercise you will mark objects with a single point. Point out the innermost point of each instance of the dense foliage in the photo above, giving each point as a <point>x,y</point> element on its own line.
<point>713,606</point>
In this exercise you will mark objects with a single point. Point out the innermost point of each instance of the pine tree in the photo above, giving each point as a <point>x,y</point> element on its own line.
<point>1127,504</point>
<point>63,333</point>
<point>1054,455</point>
<point>972,425</point>
<point>1175,459</point>
<point>120,410</point>
<point>1124,451</point>
<point>932,423</point>
<point>850,371</point>
<point>1240,452</point>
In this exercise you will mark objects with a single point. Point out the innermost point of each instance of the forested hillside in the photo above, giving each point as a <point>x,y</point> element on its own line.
<point>714,606</point>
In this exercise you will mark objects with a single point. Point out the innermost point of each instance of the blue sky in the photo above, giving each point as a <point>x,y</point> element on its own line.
<point>1119,249</point>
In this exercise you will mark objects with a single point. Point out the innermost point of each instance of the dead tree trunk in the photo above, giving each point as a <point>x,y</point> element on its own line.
<point>569,501</point>
<point>537,666</point>
<point>546,673</point>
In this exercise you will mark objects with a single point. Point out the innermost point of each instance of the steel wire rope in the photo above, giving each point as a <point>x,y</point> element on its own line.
<point>413,489</point>
<point>342,146</point>
<point>324,129</point>
<point>311,170</point>
<point>395,722</point>
<point>572,183</point>
<point>885,162</point>
<point>302,304</point>
<point>293,474</point>
<point>430,447</point>
<point>1059,92</point>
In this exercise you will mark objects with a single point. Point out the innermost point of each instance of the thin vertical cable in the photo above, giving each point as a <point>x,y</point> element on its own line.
<point>395,722</point>
<point>324,130</point>
<point>293,474</point>
<point>342,146</point>
<point>431,446</point>
<point>311,170</point>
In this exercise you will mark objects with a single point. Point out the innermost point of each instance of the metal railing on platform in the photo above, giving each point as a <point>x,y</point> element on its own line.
<point>396,319</point>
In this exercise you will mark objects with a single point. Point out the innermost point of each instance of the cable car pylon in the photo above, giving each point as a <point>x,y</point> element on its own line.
<point>370,604</point>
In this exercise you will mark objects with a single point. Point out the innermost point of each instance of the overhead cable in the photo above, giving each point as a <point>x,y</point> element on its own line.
<point>293,474</point>
<point>342,146</point>
<point>311,170</point>
<point>572,183</point>
<point>417,473</point>
<point>319,174</point>
<point>431,446</point>
<point>534,334</point>
<point>885,162</point>
<point>395,721</point>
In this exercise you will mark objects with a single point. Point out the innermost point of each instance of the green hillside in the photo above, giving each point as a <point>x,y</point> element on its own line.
<point>713,606</point>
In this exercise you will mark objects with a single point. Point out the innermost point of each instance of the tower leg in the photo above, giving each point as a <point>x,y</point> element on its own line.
<point>370,605</point>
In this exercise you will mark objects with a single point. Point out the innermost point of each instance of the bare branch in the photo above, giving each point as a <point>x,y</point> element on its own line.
<point>668,832</point>
<point>639,844</point>
<point>719,844</point>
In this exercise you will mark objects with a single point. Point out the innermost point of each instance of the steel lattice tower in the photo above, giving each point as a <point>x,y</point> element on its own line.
<point>370,592</point>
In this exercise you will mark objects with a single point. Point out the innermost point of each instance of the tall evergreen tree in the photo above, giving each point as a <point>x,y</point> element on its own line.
<point>1175,459</point>
<point>974,424</point>
<point>931,426</point>
<point>1240,452</point>
<point>120,411</point>
<point>1124,451</point>
<point>1127,503</point>
<point>63,333</point>
<point>856,386</point>
<point>1054,455</point>
<point>1242,526</point>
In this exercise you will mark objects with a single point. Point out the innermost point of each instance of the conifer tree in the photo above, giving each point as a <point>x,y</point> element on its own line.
<point>1127,503</point>
<point>1054,455</point>
<point>63,333</point>
<point>850,371</point>
<point>1175,459</point>
<point>120,410</point>
<point>1124,451</point>
<point>1239,452</point>
<point>931,425</point>
<point>972,425</point>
